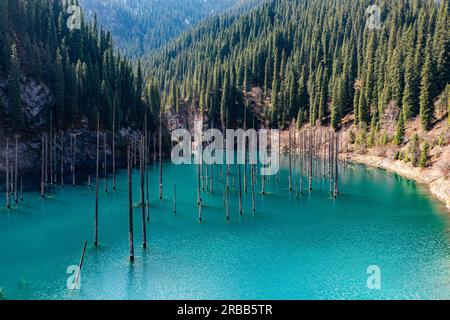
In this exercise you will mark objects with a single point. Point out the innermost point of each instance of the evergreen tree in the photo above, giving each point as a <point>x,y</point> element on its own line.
<point>15,114</point>
<point>423,163</point>
<point>426,101</point>
<point>400,131</point>
<point>59,90</point>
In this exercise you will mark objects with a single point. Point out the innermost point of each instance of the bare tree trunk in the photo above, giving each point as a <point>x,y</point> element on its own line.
<point>252,168</point>
<point>74,160</point>
<point>96,183</point>
<point>142,167</point>
<point>130,205</point>
<point>51,149</point>
<point>80,265</point>
<point>46,157</point>
<point>147,161</point>
<point>16,196</point>
<point>227,212</point>
<point>240,189</point>
<point>160,161</point>
<point>290,160</point>
<point>199,197</point>
<point>42,167</point>
<point>310,161</point>
<point>330,161</point>
<point>114,148</point>
<point>8,203</point>
<point>105,164</point>
<point>301,160</point>
<point>336,173</point>
<point>62,158</point>
<point>174,199</point>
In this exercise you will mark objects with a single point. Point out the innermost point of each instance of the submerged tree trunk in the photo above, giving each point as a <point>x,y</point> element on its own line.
<point>42,167</point>
<point>96,184</point>
<point>74,159</point>
<point>62,158</point>
<point>130,205</point>
<point>16,196</point>
<point>8,203</point>
<point>105,162</point>
<point>160,161</point>
<point>114,147</point>
<point>142,167</point>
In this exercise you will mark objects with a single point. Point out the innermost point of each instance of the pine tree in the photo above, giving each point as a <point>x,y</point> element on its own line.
<point>410,102</point>
<point>426,102</point>
<point>400,131</point>
<point>424,156</point>
<point>15,114</point>
<point>59,90</point>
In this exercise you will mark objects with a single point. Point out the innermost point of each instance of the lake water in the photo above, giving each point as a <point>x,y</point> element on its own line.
<point>313,247</point>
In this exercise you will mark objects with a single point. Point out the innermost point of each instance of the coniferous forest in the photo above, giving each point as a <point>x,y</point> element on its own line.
<point>84,72</point>
<point>316,62</point>
<point>141,26</point>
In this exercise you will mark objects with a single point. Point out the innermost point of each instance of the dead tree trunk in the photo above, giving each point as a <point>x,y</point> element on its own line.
<point>96,183</point>
<point>160,161</point>
<point>252,168</point>
<point>114,147</point>
<point>336,172</point>
<point>74,160</point>
<point>62,158</point>
<point>142,167</point>
<point>240,189</point>
<point>290,161</point>
<point>310,161</point>
<point>8,203</point>
<point>16,196</point>
<point>42,167</point>
<point>130,204</point>
<point>105,164</point>
<point>174,199</point>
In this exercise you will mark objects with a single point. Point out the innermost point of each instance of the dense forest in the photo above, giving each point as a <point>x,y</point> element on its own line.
<point>140,26</point>
<point>315,60</point>
<point>87,77</point>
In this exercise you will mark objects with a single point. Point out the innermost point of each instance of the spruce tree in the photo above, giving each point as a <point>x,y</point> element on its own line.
<point>15,114</point>
<point>426,102</point>
<point>400,131</point>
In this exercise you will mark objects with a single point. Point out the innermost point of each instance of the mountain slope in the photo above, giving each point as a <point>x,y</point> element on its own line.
<point>139,26</point>
<point>75,71</point>
<point>316,61</point>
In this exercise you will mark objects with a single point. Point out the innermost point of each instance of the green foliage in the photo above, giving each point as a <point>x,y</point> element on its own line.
<point>426,94</point>
<point>400,131</point>
<point>14,112</point>
<point>384,139</point>
<point>414,150</point>
<point>424,157</point>
<point>153,23</point>
<point>361,137</point>
<point>323,60</point>
<point>79,66</point>
<point>352,137</point>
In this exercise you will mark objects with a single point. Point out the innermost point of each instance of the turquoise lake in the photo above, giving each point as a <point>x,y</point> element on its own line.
<point>310,247</point>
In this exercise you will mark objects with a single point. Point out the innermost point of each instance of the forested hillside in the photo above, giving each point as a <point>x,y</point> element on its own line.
<point>140,26</point>
<point>316,61</point>
<point>85,75</point>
